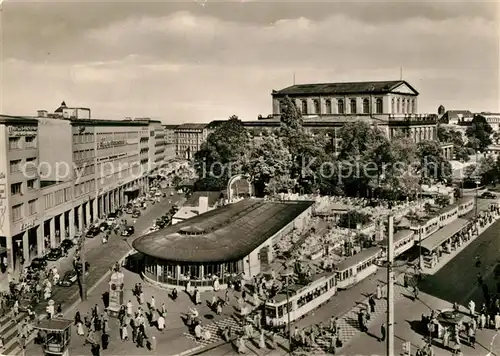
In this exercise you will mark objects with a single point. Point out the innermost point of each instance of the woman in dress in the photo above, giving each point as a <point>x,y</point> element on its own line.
<point>79,328</point>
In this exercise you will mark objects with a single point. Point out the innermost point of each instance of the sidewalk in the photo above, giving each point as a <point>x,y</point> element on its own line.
<point>447,257</point>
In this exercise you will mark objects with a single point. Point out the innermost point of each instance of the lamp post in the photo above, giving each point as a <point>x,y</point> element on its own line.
<point>287,274</point>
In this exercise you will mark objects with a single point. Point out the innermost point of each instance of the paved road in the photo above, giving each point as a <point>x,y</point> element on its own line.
<point>457,280</point>
<point>102,257</point>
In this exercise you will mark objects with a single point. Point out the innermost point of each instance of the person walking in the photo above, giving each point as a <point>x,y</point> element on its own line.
<point>382,333</point>
<point>372,303</point>
<point>379,292</point>
<point>472,308</point>
<point>152,304</point>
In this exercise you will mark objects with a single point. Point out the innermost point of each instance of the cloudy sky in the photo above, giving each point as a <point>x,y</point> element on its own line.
<point>194,61</point>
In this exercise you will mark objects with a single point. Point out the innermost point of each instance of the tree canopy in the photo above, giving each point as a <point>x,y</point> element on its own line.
<point>479,133</point>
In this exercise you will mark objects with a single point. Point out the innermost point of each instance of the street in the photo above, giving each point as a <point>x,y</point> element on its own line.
<point>102,257</point>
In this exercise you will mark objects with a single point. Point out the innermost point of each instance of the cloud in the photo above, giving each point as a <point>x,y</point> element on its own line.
<point>199,65</point>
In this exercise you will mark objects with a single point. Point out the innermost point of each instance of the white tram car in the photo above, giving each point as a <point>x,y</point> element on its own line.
<point>356,268</point>
<point>302,301</point>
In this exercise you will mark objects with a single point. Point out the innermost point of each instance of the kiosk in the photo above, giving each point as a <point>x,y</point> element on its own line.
<point>55,336</point>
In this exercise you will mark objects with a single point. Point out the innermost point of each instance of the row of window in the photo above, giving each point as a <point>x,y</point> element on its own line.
<point>16,166</point>
<point>17,188</point>
<point>85,171</point>
<point>18,143</point>
<point>84,137</point>
<point>188,134</point>
<point>83,154</point>
<point>18,213</point>
<point>379,106</point>
<point>84,188</point>
<point>59,197</point>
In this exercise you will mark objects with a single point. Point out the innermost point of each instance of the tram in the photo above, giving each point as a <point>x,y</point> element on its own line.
<point>403,240</point>
<point>356,268</point>
<point>302,301</point>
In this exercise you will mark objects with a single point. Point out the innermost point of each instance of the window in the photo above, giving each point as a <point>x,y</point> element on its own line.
<point>15,166</point>
<point>393,107</point>
<point>379,106</point>
<point>304,107</point>
<point>340,106</point>
<point>32,207</point>
<point>399,106</point>
<point>31,184</point>
<point>30,142</point>
<point>366,106</point>
<point>317,109</point>
<point>15,189</point>
<point>328,106</point>
<point>353,106</point>
<point>17,212</point>
<point>14,143</point>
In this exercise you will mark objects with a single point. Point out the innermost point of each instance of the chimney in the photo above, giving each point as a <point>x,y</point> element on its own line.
<point>42,113</point>
<point>203,205</point>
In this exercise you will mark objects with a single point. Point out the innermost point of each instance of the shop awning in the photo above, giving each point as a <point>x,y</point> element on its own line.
<point>440,236</point>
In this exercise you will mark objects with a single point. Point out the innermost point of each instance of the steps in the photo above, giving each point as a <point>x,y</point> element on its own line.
<point>9,331</point>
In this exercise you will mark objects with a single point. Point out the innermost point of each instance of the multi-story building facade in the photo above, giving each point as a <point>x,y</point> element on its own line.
<point>19,187</point>
<point>169,130</point>
<point>189,138</point>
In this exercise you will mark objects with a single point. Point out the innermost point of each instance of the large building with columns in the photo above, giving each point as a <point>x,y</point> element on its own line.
<point>390,105</point>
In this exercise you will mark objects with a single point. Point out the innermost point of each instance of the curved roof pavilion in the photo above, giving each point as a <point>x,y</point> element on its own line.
<point>221,235</point>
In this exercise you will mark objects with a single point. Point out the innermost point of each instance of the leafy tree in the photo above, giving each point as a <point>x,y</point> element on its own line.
<point>433,166</point>
<point>268,160</point>
<point>479,133</point>
<point>488,169</point>
<point>470,171</point>
<point>222,155</point>
<point>442,200</point>
<point>176,180</point>
<point>447,135</point>
<point>352,218</point>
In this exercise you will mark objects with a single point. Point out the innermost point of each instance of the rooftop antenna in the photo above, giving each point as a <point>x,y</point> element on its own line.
<point>293,78</point>
<point>401,73</point>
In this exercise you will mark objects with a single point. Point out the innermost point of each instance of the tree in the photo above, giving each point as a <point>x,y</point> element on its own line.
<point>433,166</point>
<point>470,171</point>
<point>447,135</point>
<point>487,169</point>
<point>479,133</point>
<point>176,180</point>
<point>442,200</point>
<point>222,155</point>
<point>268,160</point>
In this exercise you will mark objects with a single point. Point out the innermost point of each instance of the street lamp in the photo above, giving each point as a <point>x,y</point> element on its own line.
<point>286,274</point>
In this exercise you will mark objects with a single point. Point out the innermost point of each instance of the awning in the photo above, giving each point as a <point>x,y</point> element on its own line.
<point>440,236</point>
<point>131,190</point>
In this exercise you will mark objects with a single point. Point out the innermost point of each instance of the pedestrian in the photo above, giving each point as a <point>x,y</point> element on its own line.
<point>130,310</point>
<point>382,333</point>
<point>415,293</point>
<point>152,344</point>
<point>262,342</point>
<point>161,322</point>
<point>152,304</point>
<point>372,303</point>
<point>163,309</point>
<point>79,328</point>
<point>497,321</point>
<point>78,318</point>
<point>379,292</point>
<point>472,336</point>
<point>472,308</point>
<point>95,349</point>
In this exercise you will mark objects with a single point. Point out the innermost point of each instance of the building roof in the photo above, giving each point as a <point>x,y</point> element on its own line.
<point>98,122</point>
<point>170,126</point>
<point>379,87</point>
<point>352,261</point>
<point>440,236</point>
<point>60,108</point>
<point>193,199</point>
<point>8,119</point>
<point>191,126</point>
<point>54,324</point>
<point>456,115</point>
<point>227,234</point>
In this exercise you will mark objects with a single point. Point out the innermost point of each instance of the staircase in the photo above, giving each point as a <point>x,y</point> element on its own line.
<point>8,332</point>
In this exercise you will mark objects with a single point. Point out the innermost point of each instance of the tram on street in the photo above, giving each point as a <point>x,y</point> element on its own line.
<point>356,268</point>
<point>403,240</point>
<point>302,301</point>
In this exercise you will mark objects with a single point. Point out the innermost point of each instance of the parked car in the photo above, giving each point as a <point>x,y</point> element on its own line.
<point>136,214</point>
<point>55,254</point>
<point>67,244</point>
<point>38,263</point>
<point>128,231</point>
<point>93,232</point>
<point>103,226</point>
<point>488,195</point>
<point>68,279</point>
<point>130,211</point>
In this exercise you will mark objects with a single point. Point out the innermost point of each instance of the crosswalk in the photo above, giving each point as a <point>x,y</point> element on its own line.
<point>216,328</point>
<point>9,332</point>
<point>348,324</point>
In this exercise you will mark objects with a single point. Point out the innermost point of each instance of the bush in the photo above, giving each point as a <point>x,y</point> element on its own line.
<point>352,218</point>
